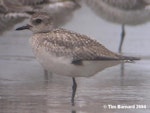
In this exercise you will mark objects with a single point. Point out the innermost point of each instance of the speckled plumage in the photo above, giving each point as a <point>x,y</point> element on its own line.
<point>59,50</point>
<point>61,42</point>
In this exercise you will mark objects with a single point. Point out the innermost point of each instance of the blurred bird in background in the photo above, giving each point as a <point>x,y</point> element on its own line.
<point>124,12</point>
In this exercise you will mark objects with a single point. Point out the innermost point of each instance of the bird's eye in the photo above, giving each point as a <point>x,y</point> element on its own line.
<point>38,21</point>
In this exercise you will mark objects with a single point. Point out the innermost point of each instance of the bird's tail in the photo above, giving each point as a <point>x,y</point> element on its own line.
<point>130,59</point>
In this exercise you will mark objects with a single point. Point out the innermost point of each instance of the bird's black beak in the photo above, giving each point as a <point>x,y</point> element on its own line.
<point>24,27</point>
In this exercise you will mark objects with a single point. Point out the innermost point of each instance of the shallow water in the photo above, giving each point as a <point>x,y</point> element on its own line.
<point>23,88</point>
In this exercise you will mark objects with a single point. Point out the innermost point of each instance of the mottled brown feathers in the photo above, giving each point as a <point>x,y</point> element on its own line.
<point>62,42</point>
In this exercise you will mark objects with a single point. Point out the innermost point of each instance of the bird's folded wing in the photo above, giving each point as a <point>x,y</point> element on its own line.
<point>79,47</point>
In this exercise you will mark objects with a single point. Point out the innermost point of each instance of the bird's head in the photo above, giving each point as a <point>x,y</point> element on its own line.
<point>39,23</point>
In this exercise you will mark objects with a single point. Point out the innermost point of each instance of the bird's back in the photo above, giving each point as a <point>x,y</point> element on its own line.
<point>128,12</point>
<point>63,42</point>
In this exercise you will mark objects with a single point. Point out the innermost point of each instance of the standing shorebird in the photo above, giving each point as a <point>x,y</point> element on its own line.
<point>124,12</point>
<point>68,53</point>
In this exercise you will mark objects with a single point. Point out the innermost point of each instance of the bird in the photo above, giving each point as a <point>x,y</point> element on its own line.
<point>68,53</point>
<point>124,12</point>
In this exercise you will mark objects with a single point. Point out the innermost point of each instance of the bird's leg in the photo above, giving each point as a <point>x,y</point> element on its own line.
<point>73,111</point>
<point>74,87</point>
<point>46,75</point>
<point>122,38</point>
<point>120,48</point>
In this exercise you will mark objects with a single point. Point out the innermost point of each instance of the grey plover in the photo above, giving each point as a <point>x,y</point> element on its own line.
<point>68,53</point>
<point>124,12</point>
